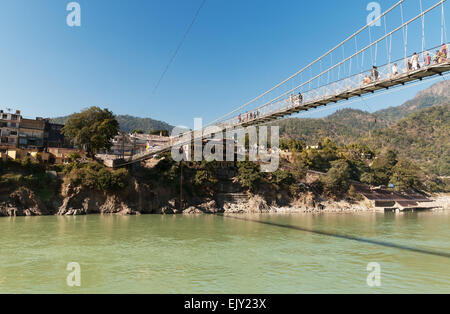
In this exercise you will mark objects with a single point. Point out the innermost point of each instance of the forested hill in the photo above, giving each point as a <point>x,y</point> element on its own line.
<point>344,127</point>
<point>129,123</point>
<point>349,125</point>
<point>422,137</point>
<point>437,94</point>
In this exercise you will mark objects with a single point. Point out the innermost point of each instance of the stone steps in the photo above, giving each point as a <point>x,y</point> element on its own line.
<point>234,198</point>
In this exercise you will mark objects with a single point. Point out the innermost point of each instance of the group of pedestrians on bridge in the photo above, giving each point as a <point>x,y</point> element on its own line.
<point>248,116</point>
<point>374,75</point>
<point>412,64</point>
<point>295,100</point>
<point>440,56</point>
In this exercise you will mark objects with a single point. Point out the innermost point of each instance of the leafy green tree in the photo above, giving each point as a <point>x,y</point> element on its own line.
<point>291,145</point>
<point>299,169</point>
<point>93,128</point>
<point>406,175</point>
<point>205,176</point>
<point>336,181</point>
<point>382,168</point>
<point>249,175</point>
<point>282,177</point>
<point>313,159</point>
<point>369,178</point>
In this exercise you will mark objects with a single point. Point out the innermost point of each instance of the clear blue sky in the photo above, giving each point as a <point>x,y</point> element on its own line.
<point>236,50</point>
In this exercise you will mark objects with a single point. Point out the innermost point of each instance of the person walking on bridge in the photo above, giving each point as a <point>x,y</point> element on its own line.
<point>375,73</point>
<point>415,61</point>
<point>427,59</point>
<point>299,98</point>
<point>437,57</point>
<point>444,52</point>
<point>408,65</point>
<point>395,69</point>
<point>291,100</point>
<point>444,49</point>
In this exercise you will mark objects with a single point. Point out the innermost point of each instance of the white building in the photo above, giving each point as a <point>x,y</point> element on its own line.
<point>9,128</point>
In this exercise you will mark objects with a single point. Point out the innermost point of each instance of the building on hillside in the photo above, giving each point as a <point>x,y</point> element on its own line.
<point>31,133</point>
<point>152,141</point>
<point>53,136</point>
<point>62,155</point>
<point>21,154</point>
<point>132,144</point>
<point>9,128</point>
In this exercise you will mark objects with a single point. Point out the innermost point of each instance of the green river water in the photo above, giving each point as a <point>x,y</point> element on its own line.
<point>214,254</point>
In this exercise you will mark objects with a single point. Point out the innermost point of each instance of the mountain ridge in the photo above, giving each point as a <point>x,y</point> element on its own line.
<point>348,125</point>
<point>129,123</point>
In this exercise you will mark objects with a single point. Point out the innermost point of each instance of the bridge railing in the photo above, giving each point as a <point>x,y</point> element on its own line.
<point>356,81</point>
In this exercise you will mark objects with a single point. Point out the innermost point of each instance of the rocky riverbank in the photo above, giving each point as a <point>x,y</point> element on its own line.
<point>89,188</point>
<point>140,199</point>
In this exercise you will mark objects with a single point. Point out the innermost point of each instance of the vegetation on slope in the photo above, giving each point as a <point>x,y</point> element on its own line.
<point>344,126</point>
<point>129,123</point>
<point>28,173</point>
<point>423,138</point>
<point>437,94</point>
<point>349,125</point>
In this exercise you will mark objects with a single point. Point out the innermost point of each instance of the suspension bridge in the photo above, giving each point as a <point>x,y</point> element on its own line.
<point>349,70</point>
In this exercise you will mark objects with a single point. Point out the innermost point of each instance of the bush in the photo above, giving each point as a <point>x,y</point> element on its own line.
<point>354,195</point>
<point>282,177</point>
<point>95,176</point>
<point>249,175</point>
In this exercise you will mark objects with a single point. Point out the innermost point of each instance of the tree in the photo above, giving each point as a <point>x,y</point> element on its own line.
<point>406,175</point>
<point>93,128</point>
<point>382,168</point>
<point>300,169</point>
<point>313,159</point>
<point>249,175</point>
<point>336,181</point>
<point>291,145</point>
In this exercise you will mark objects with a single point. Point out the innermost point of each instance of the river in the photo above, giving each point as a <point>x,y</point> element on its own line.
<point>215,254</point>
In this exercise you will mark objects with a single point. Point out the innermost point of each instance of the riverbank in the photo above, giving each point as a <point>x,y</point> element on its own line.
<point>140,200</point>
<point>31,189</point>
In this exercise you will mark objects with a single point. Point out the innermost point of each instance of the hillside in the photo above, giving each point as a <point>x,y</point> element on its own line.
<point>128,123</point>
<point>349,125</point>
<point>422,137</point>
<point>437,94</point>
<point>344,126</point>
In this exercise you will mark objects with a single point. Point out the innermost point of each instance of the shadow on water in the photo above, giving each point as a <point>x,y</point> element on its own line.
<point>343,236</point>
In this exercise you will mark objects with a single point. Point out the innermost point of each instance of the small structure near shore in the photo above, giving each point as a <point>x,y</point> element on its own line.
<point>389,200</point>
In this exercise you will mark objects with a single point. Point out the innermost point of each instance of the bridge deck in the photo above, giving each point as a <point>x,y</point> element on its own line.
<point>400,79</point>
<point>393,81</point>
